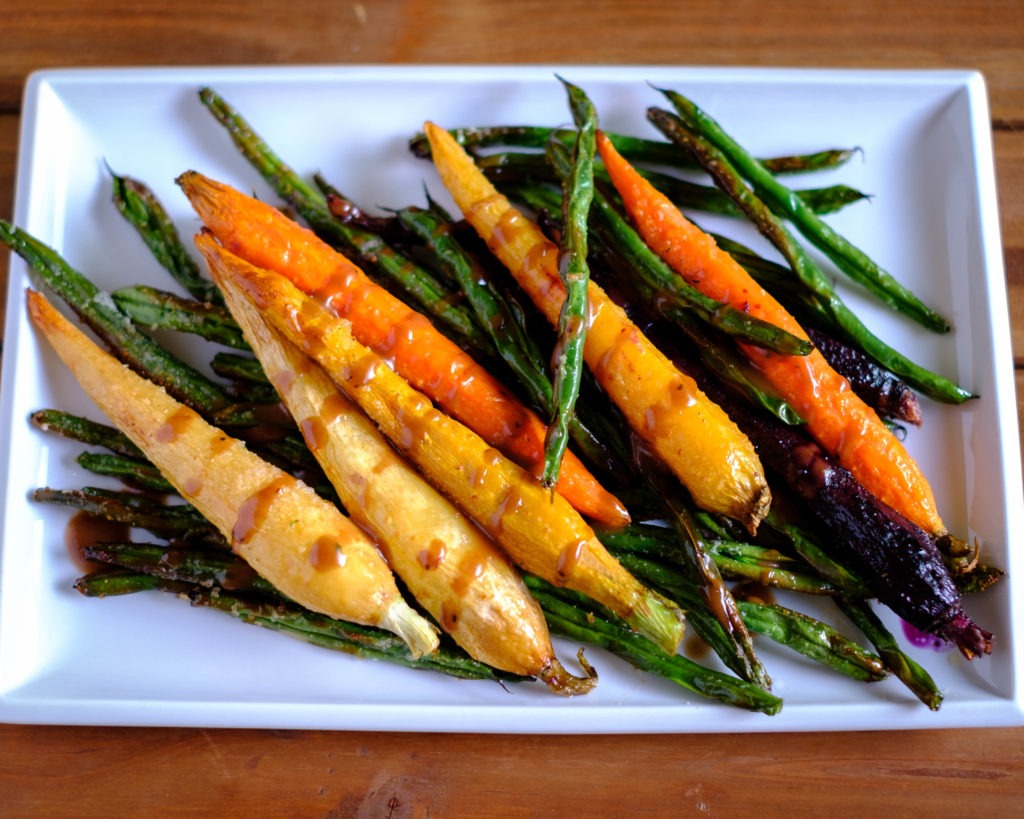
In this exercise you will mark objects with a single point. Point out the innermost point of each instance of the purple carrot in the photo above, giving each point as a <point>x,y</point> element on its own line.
<point>886,392</point>
<point>897,560</point>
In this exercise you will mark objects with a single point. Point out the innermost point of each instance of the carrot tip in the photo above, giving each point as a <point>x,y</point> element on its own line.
<point>555,676</point>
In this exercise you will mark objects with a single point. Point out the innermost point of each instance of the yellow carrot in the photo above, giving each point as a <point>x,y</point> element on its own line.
<point>430,361</point>
<point>293,538</point>
<point>536,527</point>
<point>447,563</point>
<point>835,416</point>
<point>688,432</point>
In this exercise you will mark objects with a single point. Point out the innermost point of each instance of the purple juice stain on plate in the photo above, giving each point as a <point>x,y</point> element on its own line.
<point>922,639</point>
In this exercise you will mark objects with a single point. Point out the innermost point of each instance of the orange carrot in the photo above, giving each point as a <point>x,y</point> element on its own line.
<point>839,420</point>
<point>664,406</point>
<point>538,529</point>
<point>455,572</point>
<point>264,237</point>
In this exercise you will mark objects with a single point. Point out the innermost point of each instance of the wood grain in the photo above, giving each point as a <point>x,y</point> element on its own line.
<point>173,772</point>
<point>984,35</point>
<point>50,771</point>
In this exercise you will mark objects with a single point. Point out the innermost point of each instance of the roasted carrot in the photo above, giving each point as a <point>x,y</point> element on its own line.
<point>692,435</point>
<point>263,236</point>
<point>459,576</point>
<point>538,529</point>
<point>292,537</point>
<point>835,416</point>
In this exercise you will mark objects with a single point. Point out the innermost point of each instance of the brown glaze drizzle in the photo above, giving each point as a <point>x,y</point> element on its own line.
<point>84,530</point>
<point>364,370</point>
<point>283,381</point>
<point>314,432</point>
<point>540,262</point>
<point>414,420</point>
<point>451,611</point>
<point>509,226</point>
<point>253,510</point>
<point>491,459</point>
<point>403,333</point>
<point>695,647</point>
<point>326,554</point>
<point>340,289</point>
<point>431,557</point>
<point>573,328</point>
<point>510,505</point>
<point>333,407</point>
<point>239,575</point>
<point>679,397</point>
<point>756,592</point>
<point>305,320</point>
<point>175,424</point>
<point>568,560</point>
<point>470,570</point>
<point>220,444</point>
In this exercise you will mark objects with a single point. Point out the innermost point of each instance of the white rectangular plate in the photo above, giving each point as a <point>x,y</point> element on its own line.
<point>150,659</point>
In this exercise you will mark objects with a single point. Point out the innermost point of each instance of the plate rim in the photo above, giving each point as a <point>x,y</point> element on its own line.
<point>1005,711</point>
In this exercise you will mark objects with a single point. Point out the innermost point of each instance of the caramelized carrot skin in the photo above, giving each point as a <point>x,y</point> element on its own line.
<point>430,361</point>
<point>452,569</point>
<point>691,434</point>
<point>836,417</point>
<point>325,562</point>
<point>537,528</point>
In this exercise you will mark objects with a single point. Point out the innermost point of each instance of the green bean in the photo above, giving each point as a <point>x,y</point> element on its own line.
<point>574,271</point>
<point>812,638</point>
<point>368,247</point>
<point>220,569</point>
<point>850,259</point>
<point>114,582</point>
<point>140,206</point>
<point>681,587</point>
<point>903,667</point>
<point>339,635</point>
<point>619,236</point>
<point>653,540</point>
<point>198,577</point>
<point>518,168</point>
<point>178,521</point>
<point>239,368</point>
<point>768,567</point>
<point>157,309</point>
<point>807,547</point>
<point>698,560</point>
<point>821,290</point>
<point>132,471</point>
<point>637,149</point>
<point>77,428</point>
<point>97,309</point>
<point>569,614</point>
<point>735,558</point>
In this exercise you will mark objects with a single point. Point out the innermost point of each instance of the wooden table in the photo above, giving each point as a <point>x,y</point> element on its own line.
<point>59,771</point>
